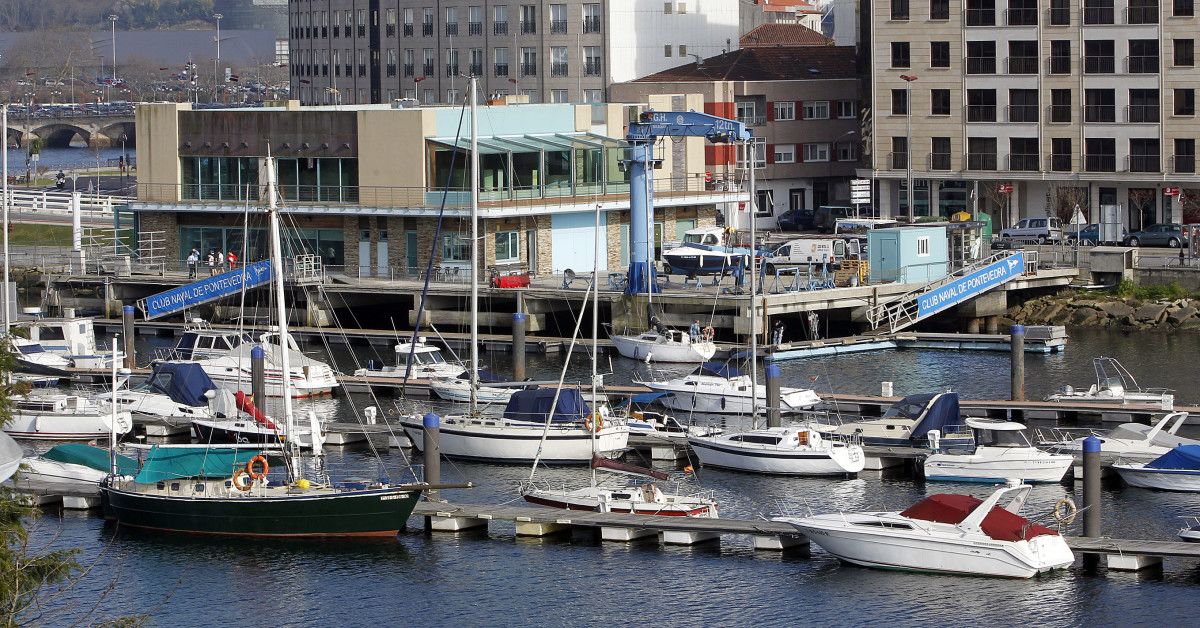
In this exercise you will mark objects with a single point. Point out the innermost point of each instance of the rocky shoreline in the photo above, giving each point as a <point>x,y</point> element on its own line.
<point>1106,310</point>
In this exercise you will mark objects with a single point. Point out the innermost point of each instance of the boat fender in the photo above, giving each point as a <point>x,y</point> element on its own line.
<point>257,475</point>
<point>1065,511</point>
<point>241,480</point>
<point>303,484</point>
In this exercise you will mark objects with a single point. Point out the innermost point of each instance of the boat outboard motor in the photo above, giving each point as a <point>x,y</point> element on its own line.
<point>935,439</point>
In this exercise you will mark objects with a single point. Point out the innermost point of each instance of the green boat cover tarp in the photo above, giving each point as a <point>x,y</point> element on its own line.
<point>88,456</point>
<point>173,463</point>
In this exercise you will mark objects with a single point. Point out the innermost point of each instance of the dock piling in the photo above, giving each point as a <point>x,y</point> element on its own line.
<point>518,346</point>
<point>258,377</point>
<point>127,327</point>
<point>1091,494</point>
<point>1017,340</point>
<point>773,374</point>
<point>433,453</point>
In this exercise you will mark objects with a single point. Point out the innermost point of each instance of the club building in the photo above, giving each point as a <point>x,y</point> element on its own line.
<point>363,186</point>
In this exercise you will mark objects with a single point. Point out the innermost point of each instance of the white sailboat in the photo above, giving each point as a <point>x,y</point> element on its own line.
<point>425,359</point>
<point>715,388</point>
<point>668,345</point>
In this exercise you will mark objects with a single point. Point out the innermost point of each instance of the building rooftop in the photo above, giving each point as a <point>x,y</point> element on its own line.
<point>784,35</point>
<point>795,63</point>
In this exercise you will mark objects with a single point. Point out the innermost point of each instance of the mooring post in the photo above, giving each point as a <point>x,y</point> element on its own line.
<point>1091,493</point>
<point>258,377</point>
<point>1017,338</point>
<point>773,374</point>
<point>433,453</point>
<point>127,327</point>
<point>518,346</point>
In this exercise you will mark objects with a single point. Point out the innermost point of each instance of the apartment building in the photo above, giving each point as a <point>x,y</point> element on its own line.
<point>1065,102</point>
<point>801,104</point>
<point>376,51</point>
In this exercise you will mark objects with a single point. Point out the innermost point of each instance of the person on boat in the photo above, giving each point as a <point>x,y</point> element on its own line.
<point>694,331</point>
<point>193,259</point>
<point>777,333</point>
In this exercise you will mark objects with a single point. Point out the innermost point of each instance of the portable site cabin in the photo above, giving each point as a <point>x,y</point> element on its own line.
<point>908,254</point>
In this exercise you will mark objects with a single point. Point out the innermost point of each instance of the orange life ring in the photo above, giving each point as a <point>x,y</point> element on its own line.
<point>594,422</point>
<point>258,475</point>
<point>239,482</point>
<point>709,332</point>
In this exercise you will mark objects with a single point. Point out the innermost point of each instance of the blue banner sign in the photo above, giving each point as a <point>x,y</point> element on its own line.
<point>210,289</point>
<point>971,285</point>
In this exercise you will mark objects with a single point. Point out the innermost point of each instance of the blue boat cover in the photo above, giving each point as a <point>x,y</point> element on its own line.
<point>1182,457</point>
<point>92,457</point>
<point>485,376</point>
<point>534,405</point>
<point>647,398</point>
<point>183,382</point>
<point>173,463</point>
<point>720,369</point>
<point>941,412</point>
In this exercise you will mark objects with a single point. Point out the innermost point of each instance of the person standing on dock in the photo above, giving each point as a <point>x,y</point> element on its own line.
<point>777,333</point>
<point>231,260</point>
<point>193,260</point>
<point>212,262</point>
<point>221,261</point>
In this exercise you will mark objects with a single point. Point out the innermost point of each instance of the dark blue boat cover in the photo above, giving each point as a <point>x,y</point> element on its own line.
<point>534,405</point>
<point>183,382</point>
<point>485,376</point>
<point>941,412</point>
<point>720,369</point>
<point>1182,457</point>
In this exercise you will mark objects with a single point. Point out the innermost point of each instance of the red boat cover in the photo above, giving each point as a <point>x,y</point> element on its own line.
<point>1000,524</point>
<point>246,405</point>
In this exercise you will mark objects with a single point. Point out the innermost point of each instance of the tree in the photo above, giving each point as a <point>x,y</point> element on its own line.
<point>1139,200</point>
<point>1062,198</point>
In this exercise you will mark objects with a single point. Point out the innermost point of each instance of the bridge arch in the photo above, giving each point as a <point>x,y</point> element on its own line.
<point>16,137</point>
<point>61,135</point>
<point>114,132</point>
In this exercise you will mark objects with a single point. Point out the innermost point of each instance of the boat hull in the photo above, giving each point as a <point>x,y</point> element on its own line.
<point>633,347</point>
<point>1179,480</point>
<point>51,426</point>
<point>224,432</point>
<point>461,392</point>
<point>579,500</point>
<point>379,512</point>
<point>507,443</point>
<point>833,461</point>
<point>728,399</point>
<point>1043,468</point>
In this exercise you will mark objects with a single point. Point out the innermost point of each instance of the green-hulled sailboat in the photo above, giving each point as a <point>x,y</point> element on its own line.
<point>203,490</point>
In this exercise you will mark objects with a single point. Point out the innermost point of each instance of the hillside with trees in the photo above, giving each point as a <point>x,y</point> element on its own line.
<point>41,15</point>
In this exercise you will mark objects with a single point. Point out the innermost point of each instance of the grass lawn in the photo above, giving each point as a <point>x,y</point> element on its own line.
<point>25,234</point>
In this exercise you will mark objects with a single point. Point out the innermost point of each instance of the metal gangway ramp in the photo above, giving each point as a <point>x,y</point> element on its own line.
<point>958,287</point>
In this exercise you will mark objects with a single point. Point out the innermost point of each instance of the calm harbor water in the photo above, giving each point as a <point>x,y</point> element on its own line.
<point>493,578</point>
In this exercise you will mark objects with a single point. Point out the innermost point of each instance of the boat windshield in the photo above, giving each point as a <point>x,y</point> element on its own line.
<point>910,407</point>
<point>31,349</point>
<point>757,439</point>
<point>1001,438</point>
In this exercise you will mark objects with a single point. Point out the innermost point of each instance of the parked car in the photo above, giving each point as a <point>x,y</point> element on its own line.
<point>1043,229</point>
<point>795,220</point>
<point>826,216</point>
<point>1161,234</point>
<point>1089,235</point>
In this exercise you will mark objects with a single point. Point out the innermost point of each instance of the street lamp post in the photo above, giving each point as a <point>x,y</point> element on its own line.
<point>217,61</point>
<point>113,79</point>
<point>908,148</point>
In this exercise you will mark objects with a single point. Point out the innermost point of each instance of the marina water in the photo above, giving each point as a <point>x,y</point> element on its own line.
<point>489,578</point>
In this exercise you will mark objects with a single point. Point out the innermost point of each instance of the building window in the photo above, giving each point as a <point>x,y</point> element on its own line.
<point>1023,57</point>
<point>1098,12</point>
<point>1185,156</point>
<point>816,110</point>
<point>846,109</point>
<point>939,54</point>
<point>1022,13</point>
<point>1143,105</point>
<point>1060,106</point>
<point>1184,53</point>
<point>456,247</point>
<point>683,50</point>
<point>1183,8</point>
<point>476,62</point>
<point>593,95</point>
<point>1060,12</point>
<point>320,179</point>
<point>899,153</point>
<point>785,153</point>
<point>475,21</point>
<point>391,62</point>
<point>529,61</point>
<point>1101,154</point>
<point>558,61</point>
<point>763,205</point>
<point>760,153</point>
<point>847,151</point>
<point>1100,105</point>
<point>591,61</point>
<point>1142,12</point>
<point>1060,154</point>
<point>1060,56</point>
<point>939,9</point>
<point>1022,105</point>
<point>668,49</point>
<point>1143,56</point>
<point>785,110</point>
<point>452,21</point>
<point>591,18</point>
<point>923,246</point>
<point>899,102</point>
<point>981,105</point>
<point>939,153</point>
<point>500,60</point>
<point>899,9</point>
<point>219,178</point>
<point>939,102</point>
<point>408,22</point>
<point>508,249</point>
<point>1023,154</point>
<point>1185,101</point>
<point>981,12</point>
<point>559,96</point>
<point>1098,56</point>
<point>1143,155</point>
<point>558,18</point>
<point>981,153</point>
<point>389,22</point>
<point>528,19</point>
<point>981,57</point>
<point>900,54</point>
<point>500,19</point>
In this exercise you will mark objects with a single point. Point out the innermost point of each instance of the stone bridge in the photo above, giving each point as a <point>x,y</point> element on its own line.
<point>60,131</point>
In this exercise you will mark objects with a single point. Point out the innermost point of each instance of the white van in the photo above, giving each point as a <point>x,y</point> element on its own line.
<point>1044,229</point>
<point>804,251</point>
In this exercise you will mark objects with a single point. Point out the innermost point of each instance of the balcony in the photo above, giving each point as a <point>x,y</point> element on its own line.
<point>349,70</point>
<point>1024,162</point>
<point>558,27</point>
<point>939,161</point>
<point>1059,114</point>
<point>981,17</point>
<point>452,29</point>
<point>1060,16</point>
<point>1099,65</point>
<point>752,119</point>
<point>474,28</point>
<point>362,70</point>
<point>1022,113</point>
<point>1142,163</point>
<point>1141,65</point>
<point>408,69</point>
<point>1058,65</point>
<point>451,69</point>
<point>346,30</point>
<point>1098,15</point>
<point>1142,113</point>
<point>981,161</point>
<point>559,69</point>
<point>408,30</point>
<point>899,160</point>
<point>391,69</point>
<point>1099,113</point>
<point>1021,17</point>
<point>1100,163</point>
<point>476,69</point>
<point>591,67</point>
<point>1022,65</point>
<point>427,29</point>
<point>390,30</point>
<point>1060,162</point>
<point>362,30</point>
<point>591,24</point>
<point>1141,15</point>
<point>500,28</point>
<point>981,65</point>
<point>427,69</point>
<point>528,28</point>
<point>501,69</point>
<point>1183,164</point>
<point>981,113</point>
<point>528,69</point>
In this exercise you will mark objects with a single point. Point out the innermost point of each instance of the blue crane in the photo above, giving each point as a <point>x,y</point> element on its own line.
<point>641,135</point>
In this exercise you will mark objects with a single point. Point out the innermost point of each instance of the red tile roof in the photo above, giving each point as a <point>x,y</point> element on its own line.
<point>766,64</point>
<point>784,35</point>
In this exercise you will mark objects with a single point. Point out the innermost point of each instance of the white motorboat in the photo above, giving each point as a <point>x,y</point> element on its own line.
<point>1114,383</point>
<point>1176,470</point>
<point>646,498</point>
<point>517,436</point>
<point>72,338</point>
<point>1128,442</point>
<point>655,426</point>
<point>63,417</point>
<point>10,456</point>
<point>459,389</point>
<point>1190,532</point>
<point>427,363</point>
<point>722,389</point>
<point>956,534</point>
<point>176,394</point>
<point>33,358</point>
<point>1002,452</point>
<point>789,450</point>
<point>669,345</point>
<point>258,429</point>
<point>909,422</point>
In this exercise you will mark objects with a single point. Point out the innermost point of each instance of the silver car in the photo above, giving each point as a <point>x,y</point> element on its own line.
<point>1044,229</point>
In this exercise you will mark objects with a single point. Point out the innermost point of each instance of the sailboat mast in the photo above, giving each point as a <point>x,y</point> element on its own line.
<point>471,91</point>
<point>4,167</point>
<point>753,290</point>
<point>595,334</point>
<point>646,164</point>
<point>281,311</point>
